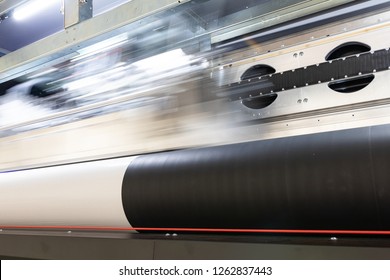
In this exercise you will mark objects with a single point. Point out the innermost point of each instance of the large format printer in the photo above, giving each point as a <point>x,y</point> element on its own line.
<point>198,129</point>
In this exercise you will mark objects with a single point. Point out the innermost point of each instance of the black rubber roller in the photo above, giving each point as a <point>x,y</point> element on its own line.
<point>336,180</point>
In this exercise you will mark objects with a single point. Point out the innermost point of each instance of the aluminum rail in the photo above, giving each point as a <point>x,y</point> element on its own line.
<point>65,44</point>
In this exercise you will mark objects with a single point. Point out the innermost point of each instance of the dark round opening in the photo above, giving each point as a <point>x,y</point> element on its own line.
<point>257,71</point>
<point>260,102</point>
<point>351,85</point>
<point>347,49</point>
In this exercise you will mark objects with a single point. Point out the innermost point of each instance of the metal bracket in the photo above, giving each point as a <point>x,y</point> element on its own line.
<point>76,11</point>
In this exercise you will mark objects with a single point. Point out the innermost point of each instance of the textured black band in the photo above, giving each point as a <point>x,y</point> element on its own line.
<point>332,180</point>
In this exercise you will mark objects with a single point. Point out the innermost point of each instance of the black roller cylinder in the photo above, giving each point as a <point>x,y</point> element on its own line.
<point>334,181</point>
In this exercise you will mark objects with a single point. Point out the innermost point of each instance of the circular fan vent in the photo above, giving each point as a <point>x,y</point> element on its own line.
<point>352,84</point>
<point>257,71</point>
<point>347,49</point>
<point>260,102</point>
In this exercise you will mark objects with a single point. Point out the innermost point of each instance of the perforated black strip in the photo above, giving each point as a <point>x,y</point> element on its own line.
<point>338,69</point>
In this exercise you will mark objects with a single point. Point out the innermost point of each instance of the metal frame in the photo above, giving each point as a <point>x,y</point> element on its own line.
<point>63,45</point>
<point>116,245</point>
<point>318,97</point>
<point>123,133</point>
<point>311,37</point>
<point>283,14</point>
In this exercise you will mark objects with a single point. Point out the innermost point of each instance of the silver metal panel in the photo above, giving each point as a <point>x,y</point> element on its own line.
<point>174,113</point>
<point>144,130</point>
<point>306,54</point>
<point>312,36</point>
<point>176,118</point>
<point>275,12</point>
<point>76,11</point>
<point>313,98</point>
<point>297,42</point>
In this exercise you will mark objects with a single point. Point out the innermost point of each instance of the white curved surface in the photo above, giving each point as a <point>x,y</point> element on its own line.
<point>82,194</point>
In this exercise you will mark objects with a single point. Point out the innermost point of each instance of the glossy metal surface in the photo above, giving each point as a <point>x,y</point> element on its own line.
<point>152,85</point>
<point>199,18</point>
<point>76,11</point>
<point>145,77</point>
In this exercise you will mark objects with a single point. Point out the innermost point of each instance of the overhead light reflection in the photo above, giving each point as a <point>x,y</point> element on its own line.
<point>164,62</point>
<point>31,8</point>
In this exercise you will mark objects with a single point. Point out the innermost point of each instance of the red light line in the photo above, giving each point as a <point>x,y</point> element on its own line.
<point>204,230</point>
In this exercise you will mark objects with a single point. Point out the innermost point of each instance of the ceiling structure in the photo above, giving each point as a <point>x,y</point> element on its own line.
<point>16,34</point>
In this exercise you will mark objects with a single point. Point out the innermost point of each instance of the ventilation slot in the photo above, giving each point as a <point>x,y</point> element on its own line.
<point>260,102</point>
<point>347,49</point>
<point>351,85</point>
<point>257,71</point>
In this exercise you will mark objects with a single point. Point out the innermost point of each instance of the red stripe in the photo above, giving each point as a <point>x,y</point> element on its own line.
<point>206,230</point>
